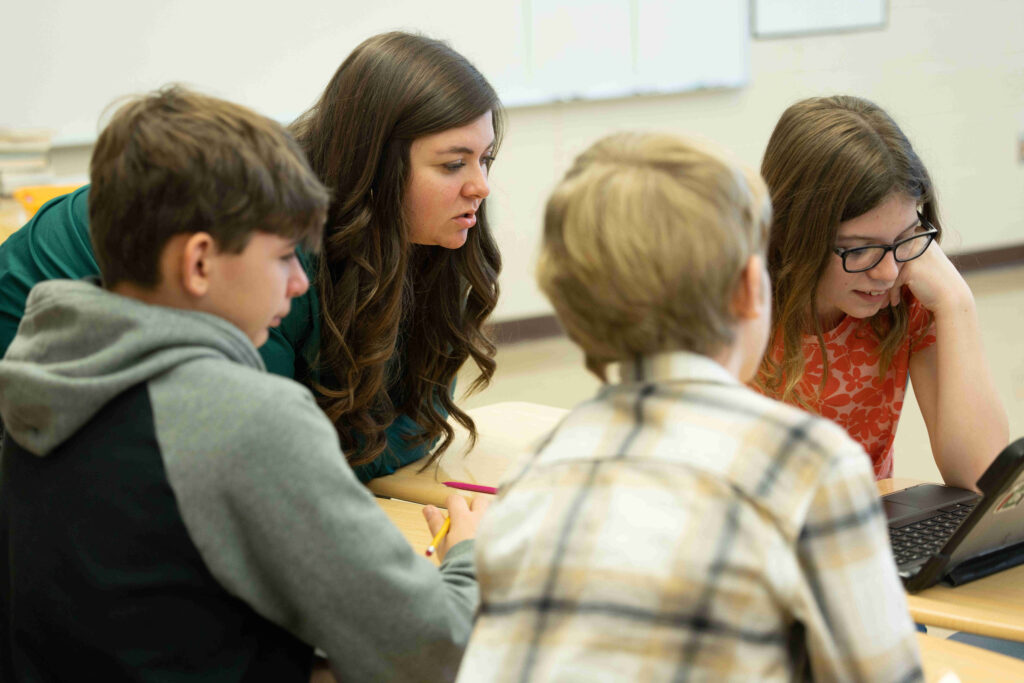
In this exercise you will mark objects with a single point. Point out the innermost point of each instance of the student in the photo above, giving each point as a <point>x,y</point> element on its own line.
<point>864,297</point>
<point>678,524</point>
<point>168,510</point>
<point>403,136</point>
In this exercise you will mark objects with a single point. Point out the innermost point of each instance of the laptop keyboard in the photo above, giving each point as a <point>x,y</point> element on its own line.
<point>924,538</point>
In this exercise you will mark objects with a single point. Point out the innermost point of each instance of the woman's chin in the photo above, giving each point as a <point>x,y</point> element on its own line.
<point>456,241</point>
<point>865,310</point>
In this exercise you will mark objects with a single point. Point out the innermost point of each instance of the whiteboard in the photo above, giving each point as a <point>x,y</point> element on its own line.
<point>779,18</point>
<point>66,61</point>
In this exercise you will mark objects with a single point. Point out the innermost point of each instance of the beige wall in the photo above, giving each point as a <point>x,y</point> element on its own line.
<point>950,72</point>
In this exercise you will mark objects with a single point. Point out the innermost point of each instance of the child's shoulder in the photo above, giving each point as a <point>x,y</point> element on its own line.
<point>787,457</point>
<point>244,415</point>
<point>727,428</point>
<point>797,426</point>
<point>229,387</point>
<point>815,438</point>
<point>724,442</point>
<point>788,417</point>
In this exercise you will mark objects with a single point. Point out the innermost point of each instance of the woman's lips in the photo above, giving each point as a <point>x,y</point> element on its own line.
<point>466,220</point>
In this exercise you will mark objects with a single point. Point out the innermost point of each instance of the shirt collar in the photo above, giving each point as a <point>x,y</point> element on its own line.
<point>674,366</point>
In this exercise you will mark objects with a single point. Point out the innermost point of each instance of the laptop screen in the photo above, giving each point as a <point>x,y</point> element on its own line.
<point>1002,523</point>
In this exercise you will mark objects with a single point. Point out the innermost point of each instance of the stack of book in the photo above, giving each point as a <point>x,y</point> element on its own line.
<point>24,158</point>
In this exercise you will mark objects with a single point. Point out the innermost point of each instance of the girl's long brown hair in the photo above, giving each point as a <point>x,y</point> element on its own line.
<point>398,320</point>
<point>829,160</point>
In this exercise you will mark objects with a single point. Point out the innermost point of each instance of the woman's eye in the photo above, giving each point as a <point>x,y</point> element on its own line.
<point>487,161</point>
<point>455,165</point>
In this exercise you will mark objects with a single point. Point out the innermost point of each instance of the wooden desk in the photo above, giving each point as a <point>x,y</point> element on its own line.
<point>993,606</point>
<point>408,517</point>
<point>941,657</point>
<point>505,432</point>
<point>895,484</point>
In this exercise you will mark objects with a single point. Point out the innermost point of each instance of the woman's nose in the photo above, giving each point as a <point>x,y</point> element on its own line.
<point>478,185</point>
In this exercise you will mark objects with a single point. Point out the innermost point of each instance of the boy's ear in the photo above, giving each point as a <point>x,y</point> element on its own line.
<point>197,254</point>
<point>749,298</point>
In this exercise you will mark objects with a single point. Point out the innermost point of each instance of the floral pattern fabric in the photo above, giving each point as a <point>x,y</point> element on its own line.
<point>856,395</point>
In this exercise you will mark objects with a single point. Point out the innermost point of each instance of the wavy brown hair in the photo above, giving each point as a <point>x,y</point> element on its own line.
<point>829,160</point>
<point>398,320</point>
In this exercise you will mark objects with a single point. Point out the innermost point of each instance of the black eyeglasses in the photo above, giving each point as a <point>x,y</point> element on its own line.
<point>859,259</point>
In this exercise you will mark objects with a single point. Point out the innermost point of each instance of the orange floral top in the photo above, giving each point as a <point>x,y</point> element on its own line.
<point>856,396</point>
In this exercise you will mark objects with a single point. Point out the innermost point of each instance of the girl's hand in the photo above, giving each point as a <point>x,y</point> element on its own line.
<point>933,280</point>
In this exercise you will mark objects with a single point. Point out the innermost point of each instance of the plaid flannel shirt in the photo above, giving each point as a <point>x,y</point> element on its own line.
<point>679,526</point>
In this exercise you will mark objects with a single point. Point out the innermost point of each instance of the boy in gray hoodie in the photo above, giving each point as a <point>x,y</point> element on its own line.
<point>168,510</point>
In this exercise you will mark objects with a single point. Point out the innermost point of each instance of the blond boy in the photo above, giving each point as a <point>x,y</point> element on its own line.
<point>679,526</point>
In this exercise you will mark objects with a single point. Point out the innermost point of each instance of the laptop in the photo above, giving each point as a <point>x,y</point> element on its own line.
<point>943,533</point>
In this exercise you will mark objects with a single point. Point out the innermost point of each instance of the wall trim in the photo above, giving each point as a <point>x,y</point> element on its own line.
<point>545,326</point>
<point>526,329</point>
<point>986,259</point>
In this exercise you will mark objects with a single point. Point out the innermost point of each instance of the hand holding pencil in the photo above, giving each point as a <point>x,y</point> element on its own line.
<point>439,536</point>
<point>461,523</point>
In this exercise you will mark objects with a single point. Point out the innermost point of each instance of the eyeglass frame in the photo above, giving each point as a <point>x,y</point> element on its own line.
<point>930,231</point>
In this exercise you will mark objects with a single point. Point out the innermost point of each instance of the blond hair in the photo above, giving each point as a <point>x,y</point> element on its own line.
<point>644,243</point>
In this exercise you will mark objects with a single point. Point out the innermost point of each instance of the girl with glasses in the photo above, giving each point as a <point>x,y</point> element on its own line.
<point>863,296</point>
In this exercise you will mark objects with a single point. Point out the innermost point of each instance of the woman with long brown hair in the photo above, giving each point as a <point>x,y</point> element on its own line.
<point>403,136</point>
<point>864,299</point>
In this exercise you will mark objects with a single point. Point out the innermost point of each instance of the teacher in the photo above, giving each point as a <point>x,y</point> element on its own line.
<point>404,136</point>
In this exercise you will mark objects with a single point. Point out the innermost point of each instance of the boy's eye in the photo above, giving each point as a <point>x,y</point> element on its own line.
<point>289,256</point>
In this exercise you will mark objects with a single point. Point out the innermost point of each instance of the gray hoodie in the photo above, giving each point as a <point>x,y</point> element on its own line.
<point>262,489</point>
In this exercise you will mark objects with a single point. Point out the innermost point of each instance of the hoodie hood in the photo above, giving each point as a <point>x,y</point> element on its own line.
<point>78,346</point>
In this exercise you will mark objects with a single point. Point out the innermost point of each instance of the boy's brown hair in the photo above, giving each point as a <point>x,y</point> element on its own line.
<point>175,161</point>
<point>645,241</point>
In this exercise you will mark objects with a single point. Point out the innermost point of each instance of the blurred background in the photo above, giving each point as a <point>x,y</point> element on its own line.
<point>570,71</point>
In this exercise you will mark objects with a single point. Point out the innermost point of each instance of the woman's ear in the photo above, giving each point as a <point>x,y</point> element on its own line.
<point>749,299</point>
<point>197,256</point>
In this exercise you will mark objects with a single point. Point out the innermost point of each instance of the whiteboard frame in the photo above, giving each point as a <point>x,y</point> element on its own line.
<point>74,62</point>
<point>760,10</point>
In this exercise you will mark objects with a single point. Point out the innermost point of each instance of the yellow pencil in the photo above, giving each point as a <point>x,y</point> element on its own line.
<point>432,548</point>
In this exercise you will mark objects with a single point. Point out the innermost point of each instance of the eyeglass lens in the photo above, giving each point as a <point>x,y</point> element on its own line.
<point>867,258</point>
